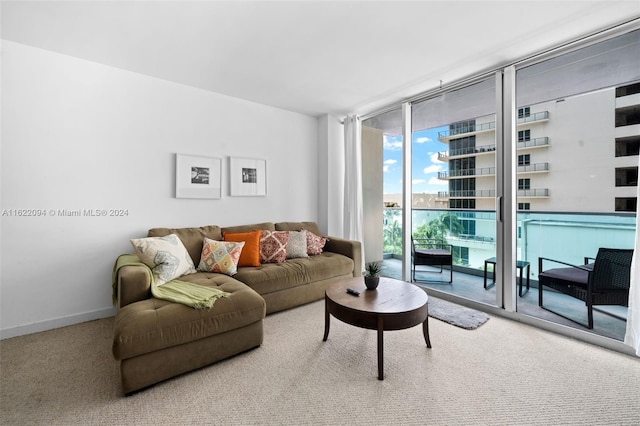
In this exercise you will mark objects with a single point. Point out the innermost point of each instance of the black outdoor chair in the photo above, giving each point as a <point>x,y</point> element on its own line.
<point>603,282</point>
<point>425,252</point>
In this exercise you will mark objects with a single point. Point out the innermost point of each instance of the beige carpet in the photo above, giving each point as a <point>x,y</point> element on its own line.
<point>501,373</point>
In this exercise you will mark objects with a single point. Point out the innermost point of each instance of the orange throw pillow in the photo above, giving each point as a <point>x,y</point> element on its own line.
<point>250,255</point>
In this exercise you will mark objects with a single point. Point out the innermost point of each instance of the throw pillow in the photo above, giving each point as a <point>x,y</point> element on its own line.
<point>250,255</point>
<point>297,244</point>
<point>315,243</point>
<point>273,246</point>
<point>220,256</point>
<point>166,256</point>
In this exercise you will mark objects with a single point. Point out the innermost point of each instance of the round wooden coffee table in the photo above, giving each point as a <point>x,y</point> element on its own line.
<point>394,305</point>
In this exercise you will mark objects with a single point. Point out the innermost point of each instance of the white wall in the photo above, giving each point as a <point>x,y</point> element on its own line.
<point>80,135</point>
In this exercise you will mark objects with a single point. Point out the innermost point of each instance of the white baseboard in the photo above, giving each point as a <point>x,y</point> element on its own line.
<point>37,327</point>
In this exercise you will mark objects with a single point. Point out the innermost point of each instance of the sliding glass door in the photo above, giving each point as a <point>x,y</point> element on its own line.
<point>537,162</point>
<point>578,138</point>
<point>453,187</point>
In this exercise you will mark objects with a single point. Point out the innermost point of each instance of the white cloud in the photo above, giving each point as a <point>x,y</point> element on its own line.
<point>436,181</point>
<point>432,169</point>
<point>385,169</point>
<point>424,139</point>
<point>391,161</point>
<point>417,181</point>
<point>391,144</point>
<point>433,156</point>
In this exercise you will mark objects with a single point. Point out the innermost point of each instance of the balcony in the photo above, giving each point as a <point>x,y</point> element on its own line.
<point>533,193</point>
<point>490,149</point>
<point>541,234</point>
<point>474,129</point>
<point>533,143</point>
<point>533,168</point>
<point>467,193</point>
<point>466,152</point>
<point>485,171</point>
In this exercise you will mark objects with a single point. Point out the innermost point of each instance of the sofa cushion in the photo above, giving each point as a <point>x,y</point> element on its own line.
<point>315,243</point>
<point>271,277</point>
<point>153,324</point>
<point>250,255</point>
<point>166,256</point>
<point>297,244</point>
<point>273,246</point>
<point>220,256</point>
<point>191,237</point>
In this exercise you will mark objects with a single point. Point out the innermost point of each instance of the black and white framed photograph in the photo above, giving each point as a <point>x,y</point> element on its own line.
<point>247,177</point>
<point>198,177</point>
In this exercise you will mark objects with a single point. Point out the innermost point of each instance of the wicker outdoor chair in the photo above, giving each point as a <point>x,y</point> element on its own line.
<point>603,282</point>
<point>426,252</point>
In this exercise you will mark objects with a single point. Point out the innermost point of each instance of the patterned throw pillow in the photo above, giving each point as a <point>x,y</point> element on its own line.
<point>251,252</point>
<point>297,244</point>
<point>273,246</point>
<point>166,256</point>
<point>315,243</point>
<point>220,256</point>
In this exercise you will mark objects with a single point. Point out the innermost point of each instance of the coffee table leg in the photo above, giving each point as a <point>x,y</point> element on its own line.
<point>425,331</point>
<point>326,320</point>
<point>380,346</point>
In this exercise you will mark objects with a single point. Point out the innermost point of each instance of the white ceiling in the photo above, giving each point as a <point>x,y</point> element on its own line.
<point>312,57</point>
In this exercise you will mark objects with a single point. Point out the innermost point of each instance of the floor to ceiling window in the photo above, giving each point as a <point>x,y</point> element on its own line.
<point>453,186</point>
<point>575,131</point>
<point>578,125</point>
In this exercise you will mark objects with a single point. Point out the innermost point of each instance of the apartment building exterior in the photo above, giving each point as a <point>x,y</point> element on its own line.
<point>575,156</point>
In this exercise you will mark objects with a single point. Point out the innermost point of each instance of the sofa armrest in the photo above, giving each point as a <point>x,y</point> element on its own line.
<point>133,284</point>
<point>349,248</point>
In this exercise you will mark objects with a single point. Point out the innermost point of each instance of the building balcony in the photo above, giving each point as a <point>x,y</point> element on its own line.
<point>491,149</point>
<point>446,135</point>
<point>466,152</point>
<point>534,118</point>
<point>533,193</point>
<point>533,143</point>
<point>467,193</point>
<point>533,168</point>
<point>452,174</point>
<point>491,171</point>
<point>475,129</point>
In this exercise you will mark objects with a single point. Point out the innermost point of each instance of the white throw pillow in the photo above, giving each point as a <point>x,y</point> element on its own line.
<point>166,256</point>
<point>297,244</point>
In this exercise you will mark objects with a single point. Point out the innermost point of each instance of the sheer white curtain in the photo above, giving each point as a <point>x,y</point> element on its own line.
<point>632,336</point>
<point>353,213</point>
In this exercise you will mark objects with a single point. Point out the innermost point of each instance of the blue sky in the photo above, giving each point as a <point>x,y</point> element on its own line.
<point>425,167</point>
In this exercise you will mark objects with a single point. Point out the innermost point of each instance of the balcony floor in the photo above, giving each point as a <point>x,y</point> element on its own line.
<point>608,320</point>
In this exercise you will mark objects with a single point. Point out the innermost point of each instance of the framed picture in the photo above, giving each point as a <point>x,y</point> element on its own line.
<point>198,177</point>
<point>248,177</point>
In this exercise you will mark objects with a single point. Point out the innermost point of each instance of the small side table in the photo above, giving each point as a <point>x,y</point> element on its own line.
<point>520,264</point>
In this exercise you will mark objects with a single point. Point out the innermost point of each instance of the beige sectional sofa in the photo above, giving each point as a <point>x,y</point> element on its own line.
<point>156,339</point>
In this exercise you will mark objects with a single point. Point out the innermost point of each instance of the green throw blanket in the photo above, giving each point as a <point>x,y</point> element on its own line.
<point>194,295</point>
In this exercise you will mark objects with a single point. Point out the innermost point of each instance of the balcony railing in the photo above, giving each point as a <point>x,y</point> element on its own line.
<point>542,234</point>
<point>532,143</point>
<point>530,193</point>
<point>538,116</point>
<point>533,168</point>
<point>466,151</point>
<point>475,128</point>
<point>484,171</point>
<point>468,193</point>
